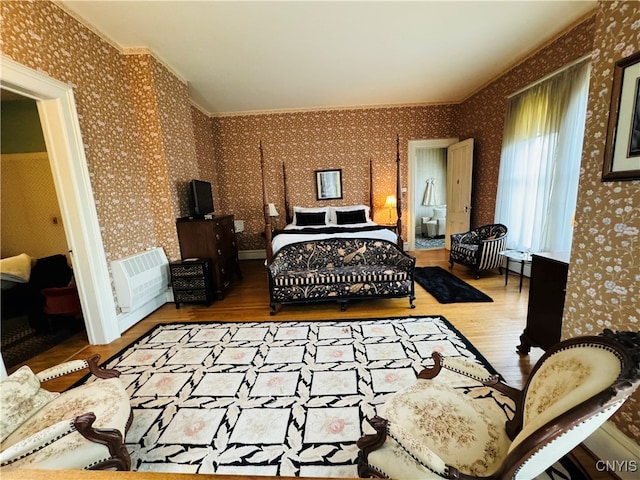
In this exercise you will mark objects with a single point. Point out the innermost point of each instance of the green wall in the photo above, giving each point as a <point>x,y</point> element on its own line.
<point>20,130</point>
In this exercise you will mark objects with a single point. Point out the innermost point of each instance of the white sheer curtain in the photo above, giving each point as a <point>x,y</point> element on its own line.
<point>540,162</point>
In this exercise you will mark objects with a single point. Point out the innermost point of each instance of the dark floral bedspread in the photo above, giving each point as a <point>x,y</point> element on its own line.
<point>340,268</point>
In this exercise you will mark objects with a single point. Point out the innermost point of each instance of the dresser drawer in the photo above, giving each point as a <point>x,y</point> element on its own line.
<point>188,269</point>
<point>190,296</point>
<point>189,282</point>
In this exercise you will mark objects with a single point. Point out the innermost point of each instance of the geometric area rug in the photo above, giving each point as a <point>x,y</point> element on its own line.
<point>271,398</point>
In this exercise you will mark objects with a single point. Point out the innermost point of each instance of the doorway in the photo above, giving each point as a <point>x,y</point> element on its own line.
<point>61,129</point>
<point>427,193</point>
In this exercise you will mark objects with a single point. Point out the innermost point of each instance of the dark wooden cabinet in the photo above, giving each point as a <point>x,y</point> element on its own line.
<point>191,281</point>
<point>214,239</point>
<point>547,290</point>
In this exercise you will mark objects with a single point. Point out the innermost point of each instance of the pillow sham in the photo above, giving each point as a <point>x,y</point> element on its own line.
<point>307,219</point>
<point>350,217</point>
<point>297,210</point>
<point>348,208</point>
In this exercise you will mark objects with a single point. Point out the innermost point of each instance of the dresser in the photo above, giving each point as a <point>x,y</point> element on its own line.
<point>547,290</point>
<point>213,238</point>
<point>191,281</point>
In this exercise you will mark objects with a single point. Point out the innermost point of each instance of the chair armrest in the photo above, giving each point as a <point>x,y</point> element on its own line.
<point>75,366</point>
<point>111,439</point>
<point>455,237</point>
<point>470,370</point>
<point>417,450</point>
<point>457,365</point>
<point>36,442</point>
<point>493,240</point>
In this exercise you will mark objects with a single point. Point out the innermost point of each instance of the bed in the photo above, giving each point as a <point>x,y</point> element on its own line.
<point>322,223</point>
<point>352,221</point>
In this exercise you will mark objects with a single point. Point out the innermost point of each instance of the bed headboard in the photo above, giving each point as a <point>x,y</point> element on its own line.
<point>289,211</point>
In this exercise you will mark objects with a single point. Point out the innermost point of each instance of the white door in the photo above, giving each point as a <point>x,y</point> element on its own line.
<point>459,180</point>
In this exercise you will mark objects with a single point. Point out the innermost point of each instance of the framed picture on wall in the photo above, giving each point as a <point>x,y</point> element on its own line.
<point>622,149</point>
<point>328,184</point>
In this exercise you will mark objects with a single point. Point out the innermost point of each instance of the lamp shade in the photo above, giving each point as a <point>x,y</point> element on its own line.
<point>272,210</point>
<point>390,202</point>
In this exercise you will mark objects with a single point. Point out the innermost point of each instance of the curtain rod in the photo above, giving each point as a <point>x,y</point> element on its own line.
<point>552,74</point>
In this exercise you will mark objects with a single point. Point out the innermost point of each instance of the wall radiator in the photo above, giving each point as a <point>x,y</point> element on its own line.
<point>140,278</point>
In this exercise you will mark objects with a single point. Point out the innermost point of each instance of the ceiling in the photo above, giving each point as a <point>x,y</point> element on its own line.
<point>240,56</point>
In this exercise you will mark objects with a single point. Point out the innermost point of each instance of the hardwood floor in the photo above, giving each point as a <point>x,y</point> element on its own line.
<point>494,328</point>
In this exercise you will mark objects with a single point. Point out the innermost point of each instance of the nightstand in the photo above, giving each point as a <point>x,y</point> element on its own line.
<point>191,281</point>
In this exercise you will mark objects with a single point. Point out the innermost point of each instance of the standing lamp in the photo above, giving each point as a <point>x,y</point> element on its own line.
<point>273,213</point>
<point>390,203</point>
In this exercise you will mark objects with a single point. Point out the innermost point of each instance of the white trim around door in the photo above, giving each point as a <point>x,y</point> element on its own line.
<point>411,191</point>
<point>59,118</point>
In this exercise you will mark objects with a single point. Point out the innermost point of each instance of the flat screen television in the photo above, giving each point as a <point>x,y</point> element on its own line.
<point>202,198</point>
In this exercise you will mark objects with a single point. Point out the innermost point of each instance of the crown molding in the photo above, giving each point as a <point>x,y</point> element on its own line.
<point>332,108</point>
<point>119,48</point>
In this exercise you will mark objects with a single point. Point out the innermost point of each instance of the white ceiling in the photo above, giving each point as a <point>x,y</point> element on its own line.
<point>242,56</point>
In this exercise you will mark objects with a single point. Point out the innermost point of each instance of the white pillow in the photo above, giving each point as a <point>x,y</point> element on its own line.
<point>311,210</point>
<point>21,397</point>
<point>440,212</point>
<point>348,208</point>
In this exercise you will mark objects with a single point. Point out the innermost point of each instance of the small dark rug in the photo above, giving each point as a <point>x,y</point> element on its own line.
<point>446,287</point>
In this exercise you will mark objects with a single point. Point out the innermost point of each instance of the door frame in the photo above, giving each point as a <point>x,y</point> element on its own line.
<point>411,191</point>
<point>63,139</point>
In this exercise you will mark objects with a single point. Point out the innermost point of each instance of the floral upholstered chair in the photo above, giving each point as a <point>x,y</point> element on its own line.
<point>81,428</point>
<point>479,248</point>
<point>460,421</point>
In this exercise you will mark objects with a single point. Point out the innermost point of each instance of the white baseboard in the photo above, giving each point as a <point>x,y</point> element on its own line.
<point>252,254</point>
<point>617,453</point>
<point>126,320</point>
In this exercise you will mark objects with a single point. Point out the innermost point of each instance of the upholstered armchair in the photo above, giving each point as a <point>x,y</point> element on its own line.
<point>461,421</point>
<point>479,248</point>
<point>434,225</point>
<point>81,428</point>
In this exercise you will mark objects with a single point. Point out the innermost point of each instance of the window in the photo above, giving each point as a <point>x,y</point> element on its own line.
<point>540,162</point>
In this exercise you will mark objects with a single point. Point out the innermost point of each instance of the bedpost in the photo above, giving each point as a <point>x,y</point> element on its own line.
<point>398,192</point>
<point>370,188</point>
<point>287,212</point>
<point>265,209</point>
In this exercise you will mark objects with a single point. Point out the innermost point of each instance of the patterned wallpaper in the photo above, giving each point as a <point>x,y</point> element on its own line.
<point>308,141</point>
<point>179,163</point>
<point>42,36</point>
<point>134,117</point>
<point>205,152</point>
<point>604,276</point>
